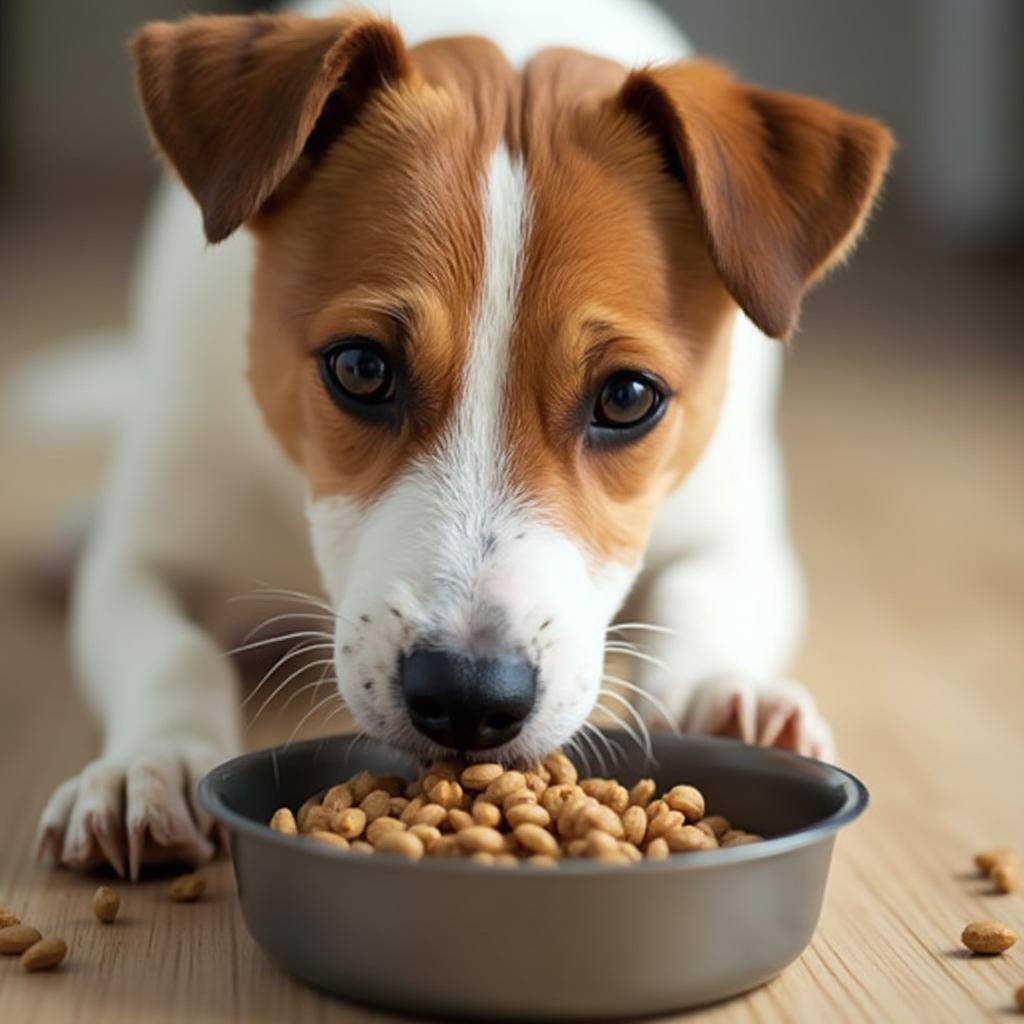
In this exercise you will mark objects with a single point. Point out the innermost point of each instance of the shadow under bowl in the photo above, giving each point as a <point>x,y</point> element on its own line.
<point>581,942</point>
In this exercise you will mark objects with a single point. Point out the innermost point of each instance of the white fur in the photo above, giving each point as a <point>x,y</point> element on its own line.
<point>452,556</point>
<point>202,502</point>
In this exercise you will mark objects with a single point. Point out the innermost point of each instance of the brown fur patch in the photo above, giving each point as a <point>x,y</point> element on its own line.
<point>361,170</point>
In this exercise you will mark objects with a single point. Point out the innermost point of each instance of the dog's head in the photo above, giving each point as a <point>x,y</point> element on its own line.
<point>491,314</point>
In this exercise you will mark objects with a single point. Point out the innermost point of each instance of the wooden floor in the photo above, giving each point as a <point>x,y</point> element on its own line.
<point>904,434</point>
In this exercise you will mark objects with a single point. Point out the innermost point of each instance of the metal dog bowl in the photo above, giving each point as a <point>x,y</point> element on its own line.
<point>585,942</point>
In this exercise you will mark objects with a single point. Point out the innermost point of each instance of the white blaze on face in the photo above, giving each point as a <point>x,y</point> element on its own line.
<point>450,556</point>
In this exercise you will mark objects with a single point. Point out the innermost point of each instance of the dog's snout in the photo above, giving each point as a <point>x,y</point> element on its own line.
<point>467,703</point>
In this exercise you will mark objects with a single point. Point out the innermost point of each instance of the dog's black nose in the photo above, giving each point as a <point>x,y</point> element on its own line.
<point>467,703</point>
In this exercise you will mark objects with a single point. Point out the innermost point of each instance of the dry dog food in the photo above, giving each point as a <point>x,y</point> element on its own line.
<point>105,904</point>
<point>989,937</point>
<point>1019,996</point>
<point>44,955</point>
<point>8,917</point>
<point>492,815</point>
<point>16,938</point>
<point>1003,866</point>
<point>187,888</point>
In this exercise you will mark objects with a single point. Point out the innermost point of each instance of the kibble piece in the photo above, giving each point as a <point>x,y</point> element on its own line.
<point>317,819</point>
<point>520,796</point>
<point>1019,996</point>
<point>526,814</point>
<point>187,888</point>
<point>380,827</point>
<point>687,800</point>
<point>688,839</point>
<point>605,819</point>
<point>504,785</point>
<point>458,820</point>
<point>554,796</point>
<point>657,849</point>
<point>446,846</point>
<point>536,839</point>
<point>412,808</point>
<point>44,954</point>
<point>349,823</point>
<point>284,822</point>
<point>361,785</point>
<point>446,793</point>
<point>656,807</point>
<point>339,798</point>
<point>987,860</point>
<point>718,825</point>
<point>634,824</point>
<point>426,834</point>
<point>477,777</point>
<point>535,783</point>
<point>1006,876</point>
<point>630,851</point>
<point>376,804</point>
<point>16,938</point>
<point>480,837</point>
<point>542,860</point>
<point>329,839</point>
<point>482,857</point>
<point>576,848</point>
<point>664,822</point>
<point>738,838</point>
<point>599,843</point>
<point>360,846</point>
<point>304,811</point>
<point>486,813</point>
<point>106,903</point>
<point>988,937</point>
<point>403,843</point>
<point>642,793</point>
<point>616,859</point>
<point>398,805</point>
<point>8,917</point>
<point>561,769</point>
<point>431,814</point>
<point>616,797</point>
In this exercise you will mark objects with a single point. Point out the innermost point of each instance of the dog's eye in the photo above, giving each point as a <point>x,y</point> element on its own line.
<point>629,401</point>
<point>357,371</point>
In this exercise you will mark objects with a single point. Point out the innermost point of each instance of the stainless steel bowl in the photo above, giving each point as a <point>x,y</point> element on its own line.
<point>583,942</point>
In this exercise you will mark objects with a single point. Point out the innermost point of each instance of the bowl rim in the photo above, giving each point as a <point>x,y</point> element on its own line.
<point>855,801</point>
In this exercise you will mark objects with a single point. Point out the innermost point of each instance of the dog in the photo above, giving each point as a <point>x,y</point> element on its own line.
<point>493,365</point>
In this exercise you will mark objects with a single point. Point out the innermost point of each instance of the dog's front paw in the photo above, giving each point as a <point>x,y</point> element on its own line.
<point>781,714</point>
<point>130,811</point>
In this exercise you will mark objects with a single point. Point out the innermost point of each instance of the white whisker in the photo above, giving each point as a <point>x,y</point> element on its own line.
<point>641,692</point>
<point>306,616</point>
<point>649,627</point>
<point>586,735</point>
<point>645,743</point>
<point>286,657</point>
<point>305,633</point>
<point>279,688</point>
<point>309,714</point>
<point>640,656</point>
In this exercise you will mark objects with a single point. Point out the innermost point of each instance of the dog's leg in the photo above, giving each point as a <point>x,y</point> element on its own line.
<point>197,492</point>
<point>166,696</point>
<point>735,614</point>
<point>725,582</point>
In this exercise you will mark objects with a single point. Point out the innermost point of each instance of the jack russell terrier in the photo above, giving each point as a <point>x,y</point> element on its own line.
<point>495,346</point>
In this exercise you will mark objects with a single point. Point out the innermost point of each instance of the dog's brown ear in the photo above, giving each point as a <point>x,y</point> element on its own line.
<point>233,102</point>
<point>782,183</point>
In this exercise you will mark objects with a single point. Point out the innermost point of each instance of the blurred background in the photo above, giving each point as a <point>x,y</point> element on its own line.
<point>902,414</point>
